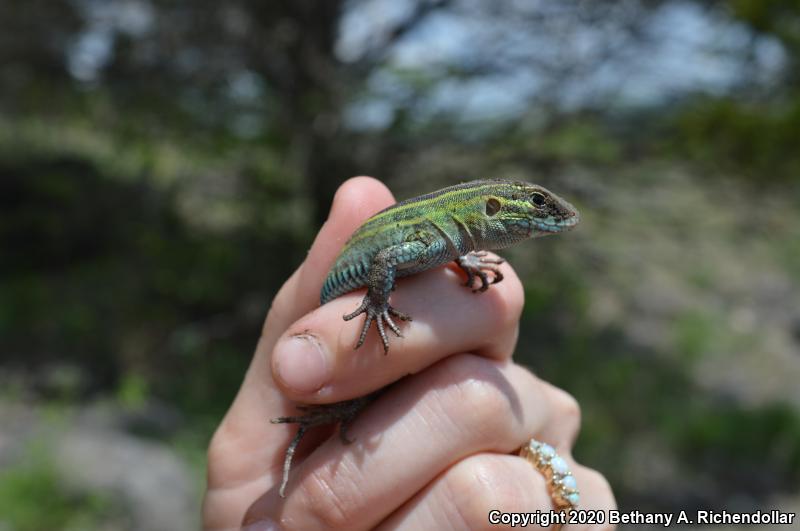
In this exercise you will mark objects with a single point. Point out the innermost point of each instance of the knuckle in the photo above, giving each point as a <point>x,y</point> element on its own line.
<point>596,482</point>
<point>507,308</point>
<point>567,407</point>
<point>482,401</point>
<point>215,449</point>
<point>217,454</point>
<point>480,484</point>
<point>328,505</point>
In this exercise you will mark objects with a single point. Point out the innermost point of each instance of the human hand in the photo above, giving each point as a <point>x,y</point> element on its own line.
<point>433,451</point>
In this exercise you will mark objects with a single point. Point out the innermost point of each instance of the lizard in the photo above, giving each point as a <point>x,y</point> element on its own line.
<point>459,223</point>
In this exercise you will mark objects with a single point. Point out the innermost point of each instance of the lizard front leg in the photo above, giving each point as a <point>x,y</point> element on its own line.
<point>379,284</point>
<point>477,263</point>
<point>376,305</point>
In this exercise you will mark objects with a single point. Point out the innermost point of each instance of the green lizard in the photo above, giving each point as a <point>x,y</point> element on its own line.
<point>459,223</point>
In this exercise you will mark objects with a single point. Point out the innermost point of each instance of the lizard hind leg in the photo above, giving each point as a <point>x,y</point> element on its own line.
<point>343,413</point>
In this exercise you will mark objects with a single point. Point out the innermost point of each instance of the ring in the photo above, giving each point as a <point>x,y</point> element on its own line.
<point>561,483</point>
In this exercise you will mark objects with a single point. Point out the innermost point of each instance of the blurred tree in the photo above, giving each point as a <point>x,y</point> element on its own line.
<point>33,41</point>
<point>752,129</point>
<point>164,164</point>
<point>271,63</point>
<point>297,77</point>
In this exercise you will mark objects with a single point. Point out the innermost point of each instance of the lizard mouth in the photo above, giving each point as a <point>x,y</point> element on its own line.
<point>551,224</point>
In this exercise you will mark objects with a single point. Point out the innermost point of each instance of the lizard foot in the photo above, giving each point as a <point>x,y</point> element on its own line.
<point>382,315</point>
<point>343,413</point>
<point>477,264</point>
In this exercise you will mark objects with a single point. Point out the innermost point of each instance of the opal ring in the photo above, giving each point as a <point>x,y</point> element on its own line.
<point>561,483</point>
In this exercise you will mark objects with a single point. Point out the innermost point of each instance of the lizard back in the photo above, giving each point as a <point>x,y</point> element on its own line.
<point>472,216</point>
<point>434,212</point>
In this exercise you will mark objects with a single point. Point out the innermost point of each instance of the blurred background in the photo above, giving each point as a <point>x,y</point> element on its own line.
<point>164,166</point>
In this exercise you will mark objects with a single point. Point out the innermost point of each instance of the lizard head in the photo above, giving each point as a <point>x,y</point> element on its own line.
<point>518,210</point>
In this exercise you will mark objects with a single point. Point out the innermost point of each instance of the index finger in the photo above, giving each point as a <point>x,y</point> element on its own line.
<point>245,454</point>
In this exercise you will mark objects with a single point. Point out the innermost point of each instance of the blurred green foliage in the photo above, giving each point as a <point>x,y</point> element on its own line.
<point>753,132</point>
<point>150,210</point>
<point>34,498</point>
<point>753,140</point>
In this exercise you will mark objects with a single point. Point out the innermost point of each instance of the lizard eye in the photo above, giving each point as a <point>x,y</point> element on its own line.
<point>537,199</point>
<point>492,206</point>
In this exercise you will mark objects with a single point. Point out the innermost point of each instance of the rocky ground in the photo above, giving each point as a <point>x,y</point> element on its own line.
<point>104,476</point>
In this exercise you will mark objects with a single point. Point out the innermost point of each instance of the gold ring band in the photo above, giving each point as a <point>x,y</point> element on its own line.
<point>561,483</point>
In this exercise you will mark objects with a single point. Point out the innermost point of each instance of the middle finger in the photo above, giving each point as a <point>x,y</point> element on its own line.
<point>460,406</point>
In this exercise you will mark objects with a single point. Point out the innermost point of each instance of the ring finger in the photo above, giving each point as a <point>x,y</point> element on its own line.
<point>459,407</point>
<point>474,493</point>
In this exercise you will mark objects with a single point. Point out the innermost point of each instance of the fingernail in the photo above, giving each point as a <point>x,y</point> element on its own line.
<point>262,525</point>
<point>302,363</point>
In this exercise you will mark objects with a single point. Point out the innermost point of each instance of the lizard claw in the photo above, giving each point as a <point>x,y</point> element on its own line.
<point>477,264</point>
<point>382,315</point>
